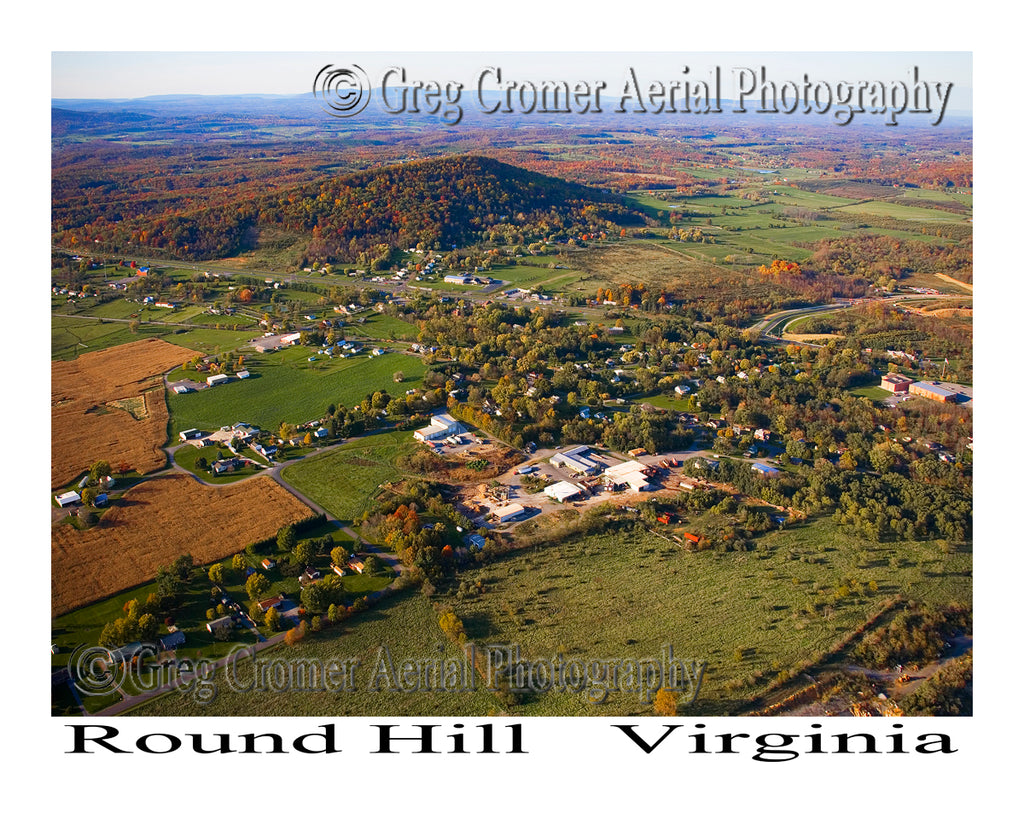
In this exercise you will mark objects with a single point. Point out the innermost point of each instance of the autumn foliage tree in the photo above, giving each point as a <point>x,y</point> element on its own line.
<point>665,703</point>
<point>452,626</point>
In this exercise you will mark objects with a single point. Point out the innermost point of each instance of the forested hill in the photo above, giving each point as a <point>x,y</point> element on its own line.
<point>439,202</point>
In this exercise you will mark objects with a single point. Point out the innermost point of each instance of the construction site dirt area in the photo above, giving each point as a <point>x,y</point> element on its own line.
<point>157,521</point>
<point>109,405</point>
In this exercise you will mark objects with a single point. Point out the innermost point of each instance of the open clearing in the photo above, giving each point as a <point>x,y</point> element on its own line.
<point>285,387</point>
<point>157,521</point>
<point>109,405</point>
<point>679,273</point>
<point>345,479</point>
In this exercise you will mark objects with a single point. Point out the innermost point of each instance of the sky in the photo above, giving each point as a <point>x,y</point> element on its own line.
<point>133,74</point>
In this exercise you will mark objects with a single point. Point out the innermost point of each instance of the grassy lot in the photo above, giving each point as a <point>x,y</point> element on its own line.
<point>874,393</point>
<point>379,327</point>
<point>345,479</point>
<point>285,387</point>
<point>742,612</point>
<point>210,340</point>
<point>186,457</point>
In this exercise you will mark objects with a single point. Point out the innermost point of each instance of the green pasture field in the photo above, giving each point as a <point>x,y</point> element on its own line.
<point>795,197</point>
<point>626,596</point>
<point>379,327</point>
<point>285,387</point>
<point>237,320</point>
<point>120,308</point>
<point>908,212</point>
<point>937,196</point>
<point>70,337</point>
<point>345,479</point>
<point>621,597</point>
<point>209,340</point>
<point>531,272</point>
<point>444,286</point>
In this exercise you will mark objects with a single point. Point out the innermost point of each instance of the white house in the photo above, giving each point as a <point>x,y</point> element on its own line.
<point>220,378</point>
<point>67,498</point>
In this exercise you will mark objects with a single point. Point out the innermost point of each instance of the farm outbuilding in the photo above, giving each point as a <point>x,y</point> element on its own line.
<point>631,473</point>
<point>512,511</point>
<point>67,499</point>
<point>563,491</point>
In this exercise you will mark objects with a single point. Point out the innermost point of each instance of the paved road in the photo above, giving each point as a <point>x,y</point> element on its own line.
<point>773,325</point>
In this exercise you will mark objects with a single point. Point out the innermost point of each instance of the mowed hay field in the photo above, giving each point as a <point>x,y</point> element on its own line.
<point>155,522</point>
<point>109,405</point>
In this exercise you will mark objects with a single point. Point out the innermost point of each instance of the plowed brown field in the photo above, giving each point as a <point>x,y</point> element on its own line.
<point>155,522</point>
<point>110,405</point>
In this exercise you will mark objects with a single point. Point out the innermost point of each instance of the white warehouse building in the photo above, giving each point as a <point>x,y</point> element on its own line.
<point>441,425</point>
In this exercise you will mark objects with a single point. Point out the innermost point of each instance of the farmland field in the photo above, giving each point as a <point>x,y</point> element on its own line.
<point>345,479</point>
<point>659,268</point>
<point>285,387</point>
<point>87,424</point>
<point>71,336</point>
<point>154,523</point>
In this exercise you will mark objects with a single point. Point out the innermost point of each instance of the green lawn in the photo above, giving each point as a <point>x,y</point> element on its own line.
<point>186,457</point>
<point>345,479</point>
<point>379,327</point>
<point>285,387</point>
<point>874,393</point>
